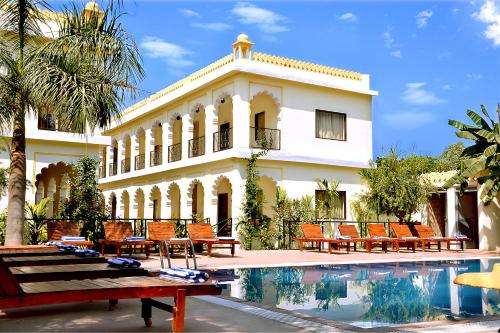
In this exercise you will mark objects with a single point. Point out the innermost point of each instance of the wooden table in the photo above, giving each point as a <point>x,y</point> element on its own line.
<point>68,259</point>
<point>31,253</point>
<point>72,272</point>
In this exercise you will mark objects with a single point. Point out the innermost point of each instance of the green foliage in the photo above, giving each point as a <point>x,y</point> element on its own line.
<point>36,214</point>
<point>450,158</point>
<point>253,224</point>
<point>395,187</point>
<point>85,203</point>
<point>3,220</point>
<point>482,159</point>
<point>290,212</point>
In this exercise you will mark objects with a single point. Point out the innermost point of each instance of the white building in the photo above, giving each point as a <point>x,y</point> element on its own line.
<point>182,150</point>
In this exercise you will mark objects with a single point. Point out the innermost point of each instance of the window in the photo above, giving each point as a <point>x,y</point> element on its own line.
<point>339,206</point>
<point>331,125</point>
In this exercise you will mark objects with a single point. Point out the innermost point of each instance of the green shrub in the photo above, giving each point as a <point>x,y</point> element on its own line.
<point>3,220</point>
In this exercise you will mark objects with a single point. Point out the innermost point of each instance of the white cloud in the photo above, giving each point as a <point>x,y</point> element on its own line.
<point>490,14</point>
<point>214,26</point>
<point>174,55</point>
<point>406,120</point>
<point>389,40</point>
<point>422,18</point>
<point>446,87</point>
<point>265,20</point>
<point>189,13</point>
<point>348,17</point>
<point>397,54</point>
<point>416,94</point>
<point>455,10</point>
<point>474,76</point>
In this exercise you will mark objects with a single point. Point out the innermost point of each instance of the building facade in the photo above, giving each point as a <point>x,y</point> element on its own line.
<point>181,152</point>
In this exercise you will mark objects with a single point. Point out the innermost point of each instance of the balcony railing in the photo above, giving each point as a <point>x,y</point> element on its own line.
<point>140,161</point>
<point>126,165</point>
<point>223,140</point>
<point>174,152</point>
<point>269,138</point>
<point>102,171</point>
<point>197,147</point>
<point>156,158</point>
<point>113,169</point>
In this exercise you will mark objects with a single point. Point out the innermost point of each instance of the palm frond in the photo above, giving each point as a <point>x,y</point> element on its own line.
<point>22,19</point>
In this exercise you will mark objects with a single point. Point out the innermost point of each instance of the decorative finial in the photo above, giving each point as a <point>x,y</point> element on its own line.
<point>242,48</point>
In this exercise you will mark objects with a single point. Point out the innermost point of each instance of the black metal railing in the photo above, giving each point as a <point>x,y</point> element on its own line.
<point>197,147</point>
<point>269,138</point>
<point>156,158</point>
<point>140,162</point>
<point>126,165</point>
<point>223,140</point>
<point>113,169</point>
<point>174,152</point>
<point>225,228</point>
<point>102,171</point>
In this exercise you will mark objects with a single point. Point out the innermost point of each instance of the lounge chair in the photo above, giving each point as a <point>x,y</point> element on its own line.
<point>14,294</point>
<point>425,231</point>
<point>159,232</point>
<point>405,237</point>
<point>115,233</point>
<point>351,231</point>
<point>58,230</point>
<point>202,233</point>
<point>314,234</point>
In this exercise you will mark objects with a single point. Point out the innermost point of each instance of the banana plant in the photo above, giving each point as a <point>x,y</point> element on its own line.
<point>482,159</point>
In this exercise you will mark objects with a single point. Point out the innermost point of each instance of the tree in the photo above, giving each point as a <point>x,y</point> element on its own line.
<point>37,214</point>
<point>450,158</point>
<point>82,76</point>
<point>482,159</point>
<point>327,203</point>
<point>85,202</point>
<point>395,187</point>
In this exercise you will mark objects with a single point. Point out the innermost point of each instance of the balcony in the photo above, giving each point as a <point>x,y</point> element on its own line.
<point>113,169</point>
<point>269,138</point>
<point>174,152</point>
<point>223,140</point>
<point>140,162</point>
<point>197,147</point>
<point>156,158</point>
<point>102,171</point>
<point>126,165</point>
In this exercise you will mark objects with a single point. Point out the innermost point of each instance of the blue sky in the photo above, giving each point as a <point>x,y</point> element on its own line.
<point>430,61</point>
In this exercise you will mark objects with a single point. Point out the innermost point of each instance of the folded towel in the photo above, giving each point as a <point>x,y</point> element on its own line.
<point>134,239</point>
<point>67,248</point>
<point>190,280</point>
<point>180,239</point>
<point>380,237</point>
<point>71,238</point>
<point>53,243</point>
<point>124,263</point>
<point>344,237</point>
<point>86,253</point>
<point>409,237</point>
<point>225,238</point>
<point>436,237</point>
<point>460,236</point>
<point>184,273</point>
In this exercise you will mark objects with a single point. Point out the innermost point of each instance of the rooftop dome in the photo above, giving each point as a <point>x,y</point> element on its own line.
<point>242,38</point>
<point>92,6</point>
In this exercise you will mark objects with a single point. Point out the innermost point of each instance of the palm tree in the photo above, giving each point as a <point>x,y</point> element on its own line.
<point>82,74</point>
<point>327,204</point>
<point>36,214</point>
<point>482,159</point>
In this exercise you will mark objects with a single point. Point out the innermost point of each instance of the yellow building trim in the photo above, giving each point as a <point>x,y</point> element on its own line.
<point>37,153</point>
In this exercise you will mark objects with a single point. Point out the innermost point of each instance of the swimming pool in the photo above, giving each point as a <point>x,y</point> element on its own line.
<point>369,295</point>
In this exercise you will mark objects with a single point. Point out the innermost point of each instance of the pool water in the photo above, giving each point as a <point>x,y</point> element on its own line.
<point>368,295</point>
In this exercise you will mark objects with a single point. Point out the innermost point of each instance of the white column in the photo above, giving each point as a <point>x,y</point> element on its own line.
<point>210,128</point>
<point>210,199</point>
<point>134,207</point>
<point>147,150</point>
<point>109,159</point>
<point>241,115</point>
<point>148,202</point>
<point>185,209</point>
<point>121,155</point>
<point>134,150</point>
<point>167,202</point>
<point>237,195</point>
<point>451,213</point>
<point>187,133</point>
<point>165,142</point>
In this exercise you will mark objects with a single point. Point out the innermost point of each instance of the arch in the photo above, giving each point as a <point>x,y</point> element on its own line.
<point>140,149</point>
<point>196,197</point>
<point>175,135</point>
<point>40,191</point>
<point>51,194</point>
<point>223,194</point>
<point>64,188</point>
<point>220,179</point>
<point>264,117</point>
<point>155,199</point>
<point>125,202</point>
<point>156,152</point>
<point>219,100</point>
<point>265,92</point>
<point>174,200</point>
<point>112,205</point>
<point>139,203</point>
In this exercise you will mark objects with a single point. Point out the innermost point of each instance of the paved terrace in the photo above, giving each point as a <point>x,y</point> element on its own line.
<point>216,314</point>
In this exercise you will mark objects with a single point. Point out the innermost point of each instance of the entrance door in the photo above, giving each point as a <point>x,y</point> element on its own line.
<point>467,217</point>
<point>224,136</point>
<point>260,124</point>
<point>436,213</point>
<point>223,214</point>
<point>196,130</point>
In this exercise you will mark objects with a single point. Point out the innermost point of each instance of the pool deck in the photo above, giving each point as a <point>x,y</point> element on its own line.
<point>216,314</point>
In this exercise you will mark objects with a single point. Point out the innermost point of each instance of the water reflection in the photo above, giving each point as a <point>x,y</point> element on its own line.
<point>369,295</point>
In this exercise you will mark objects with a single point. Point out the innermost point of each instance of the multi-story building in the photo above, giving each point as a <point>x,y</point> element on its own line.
<point>182,150</point>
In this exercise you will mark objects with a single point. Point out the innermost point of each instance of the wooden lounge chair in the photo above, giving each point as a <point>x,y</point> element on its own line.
<point>159,232</point>
<point>202,233</point>
<point>351,231</point>
<point>115,234</point>
<point>68,259</point>
<point>425,231</point>
<point>314,234</point>
<point>56,230</point>
<point>404,236</point>
<point>14,294</point>
<point>378,234</point>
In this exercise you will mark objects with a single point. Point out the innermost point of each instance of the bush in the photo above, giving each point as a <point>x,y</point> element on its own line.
<point>3,220</point>
<point>36,214</point>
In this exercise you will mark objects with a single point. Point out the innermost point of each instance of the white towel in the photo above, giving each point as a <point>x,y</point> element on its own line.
<point>73,239</point>
<point>180,239</point>
<point>225,238</point>
<point>409,237</point>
